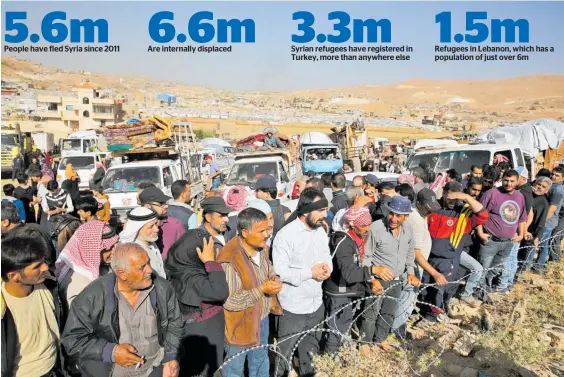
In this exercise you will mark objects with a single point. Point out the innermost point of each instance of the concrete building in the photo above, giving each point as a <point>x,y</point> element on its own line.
<point>82,109</point>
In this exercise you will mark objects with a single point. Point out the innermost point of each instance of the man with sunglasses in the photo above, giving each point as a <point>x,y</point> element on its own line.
<point>171,229</point>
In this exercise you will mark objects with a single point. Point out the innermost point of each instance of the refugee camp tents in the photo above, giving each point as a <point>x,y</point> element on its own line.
<point>533,136</point>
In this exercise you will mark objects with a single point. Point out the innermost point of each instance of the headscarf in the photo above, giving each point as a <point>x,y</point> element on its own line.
<point>237,198</point>
<point>439,182</point>
<point>407,178</point>
<point>136,219</point>
<point>70,172</point>
<point>185,270</point>
<point>358,216</point>
<point>82,253</point>
<point>499,158</point>
<point>46,170</point>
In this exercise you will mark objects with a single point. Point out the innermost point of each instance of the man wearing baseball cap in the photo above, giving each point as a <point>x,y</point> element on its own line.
<point>171,229</point>
<point>215,220</point>
<point>214,173</point>
<point>450,228</point>
<point>389,248</point>
<point>426,203</point>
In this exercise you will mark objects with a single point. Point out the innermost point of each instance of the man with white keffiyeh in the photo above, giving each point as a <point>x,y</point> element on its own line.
<point>79,263</point>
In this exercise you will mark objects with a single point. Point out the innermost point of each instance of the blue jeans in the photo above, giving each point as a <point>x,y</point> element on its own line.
<point>544,250</point>
<point>476,269</point>
<point>258,359</point>
<point>510,269</point>
<point>405,306</point>
<point>216,182</point>
<point>493,256</point>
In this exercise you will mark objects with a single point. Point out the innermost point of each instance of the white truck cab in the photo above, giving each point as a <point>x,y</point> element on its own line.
<point>121,183</point>
<point>82,142</point>
<point>249,167</point>
<point>83,163</point>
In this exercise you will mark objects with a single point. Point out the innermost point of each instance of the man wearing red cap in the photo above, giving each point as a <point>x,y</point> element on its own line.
<point>214,173</point>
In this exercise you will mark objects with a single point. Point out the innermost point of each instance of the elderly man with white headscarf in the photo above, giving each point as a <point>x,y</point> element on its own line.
<point>142,227</point>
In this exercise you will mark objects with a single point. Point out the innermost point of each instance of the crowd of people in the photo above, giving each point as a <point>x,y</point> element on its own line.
<point>180,291</point>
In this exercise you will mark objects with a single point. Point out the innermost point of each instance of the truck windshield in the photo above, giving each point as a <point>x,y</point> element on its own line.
<point>9,140</point>
<point>462,160</point>
<point>423,159</point>
<point>325,153</point>
<point>128,179</point>
<point>72,145</point>
<point>78,162</point>
<point>247,173</point>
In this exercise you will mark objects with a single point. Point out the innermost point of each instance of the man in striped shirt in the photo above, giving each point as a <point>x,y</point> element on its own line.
<point>253,287</point>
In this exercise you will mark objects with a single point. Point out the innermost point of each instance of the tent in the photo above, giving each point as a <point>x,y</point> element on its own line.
<point>214,141</point>
<point>435,143</point>
<point>533,136</point>
<point>315,138</point>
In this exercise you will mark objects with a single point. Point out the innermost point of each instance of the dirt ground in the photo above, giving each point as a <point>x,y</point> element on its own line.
<point>518,335</point>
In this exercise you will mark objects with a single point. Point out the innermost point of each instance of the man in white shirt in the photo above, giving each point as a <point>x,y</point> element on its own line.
<point>302,259</point>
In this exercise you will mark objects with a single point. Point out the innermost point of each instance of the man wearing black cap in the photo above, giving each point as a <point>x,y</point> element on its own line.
<point>215,220</point>
<point>449,227</point>
<point>265,189</point>
<point>171,229</point>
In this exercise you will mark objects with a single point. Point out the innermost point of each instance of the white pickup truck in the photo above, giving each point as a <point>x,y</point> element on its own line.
<point>122,181</point>
<point>83,163</point>
<point>250,166</point>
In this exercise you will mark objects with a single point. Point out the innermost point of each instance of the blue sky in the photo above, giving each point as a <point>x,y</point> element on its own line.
<point>267,64</point>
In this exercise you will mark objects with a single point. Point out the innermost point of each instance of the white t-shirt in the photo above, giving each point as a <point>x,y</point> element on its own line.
<point>256,259</point>
<point>421,236</point>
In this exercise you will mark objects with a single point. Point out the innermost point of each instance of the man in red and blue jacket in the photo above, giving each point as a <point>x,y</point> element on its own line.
<point>449,227</point>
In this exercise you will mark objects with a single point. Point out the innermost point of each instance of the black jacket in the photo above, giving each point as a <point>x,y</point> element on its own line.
<point>92,328</point>
<point>540,209</point>
<point>193,283</point>
<point>98,176</point>
<point>339,201</point>
<point>348,276</point>
<point>278,212</point>
<point>10,333</point>
<point>378,210</point>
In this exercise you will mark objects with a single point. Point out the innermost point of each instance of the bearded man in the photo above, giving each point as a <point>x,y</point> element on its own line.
<point>302,259</point>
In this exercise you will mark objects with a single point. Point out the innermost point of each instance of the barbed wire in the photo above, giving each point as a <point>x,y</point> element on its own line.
<point>526,263</point>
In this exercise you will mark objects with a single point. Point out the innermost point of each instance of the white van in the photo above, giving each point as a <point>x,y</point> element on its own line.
<point>464,156</point>
<point>121,184</point>
<point>84,164</point>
